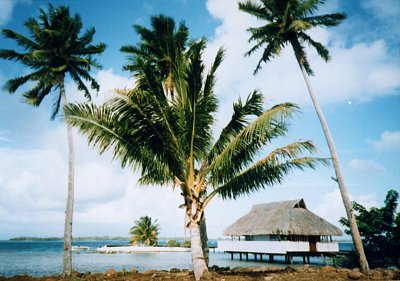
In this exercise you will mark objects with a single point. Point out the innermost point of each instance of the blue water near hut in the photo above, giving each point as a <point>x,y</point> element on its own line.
<point>44,258</point>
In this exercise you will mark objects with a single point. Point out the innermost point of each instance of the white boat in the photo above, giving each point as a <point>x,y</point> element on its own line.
<point>80,248</point>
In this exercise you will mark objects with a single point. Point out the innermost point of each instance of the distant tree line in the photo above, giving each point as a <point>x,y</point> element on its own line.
<point>93,238</point>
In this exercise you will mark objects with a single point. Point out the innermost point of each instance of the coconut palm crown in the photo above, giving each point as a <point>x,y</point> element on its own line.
<point>170,139</point>
<point>145,231</point>
<point>287,22</point>
<point>53,50</point>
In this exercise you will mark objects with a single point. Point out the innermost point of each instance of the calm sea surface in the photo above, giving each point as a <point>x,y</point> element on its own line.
<point>44,258</point>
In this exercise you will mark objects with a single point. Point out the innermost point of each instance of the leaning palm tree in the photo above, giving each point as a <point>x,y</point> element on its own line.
<point>145,232</point>
<point>287,22</point>
<point>53,50</point>
<point>169,140</point>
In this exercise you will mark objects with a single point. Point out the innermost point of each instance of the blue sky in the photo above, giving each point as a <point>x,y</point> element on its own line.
<point>359,90</point>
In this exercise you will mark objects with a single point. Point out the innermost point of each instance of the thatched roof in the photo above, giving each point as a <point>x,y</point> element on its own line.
<point>285,218</point>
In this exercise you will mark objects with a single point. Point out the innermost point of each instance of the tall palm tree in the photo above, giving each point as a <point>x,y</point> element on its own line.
<point>286,23</point>
<point>53,50</point>
<point>145,231</point>
<point>159,54</point>
<point>169,140</point>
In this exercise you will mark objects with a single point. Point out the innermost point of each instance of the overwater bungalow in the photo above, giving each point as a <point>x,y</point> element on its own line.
<point>281,228</point>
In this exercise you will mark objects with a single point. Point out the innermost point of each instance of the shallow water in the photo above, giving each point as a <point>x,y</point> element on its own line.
<point>44,258</point>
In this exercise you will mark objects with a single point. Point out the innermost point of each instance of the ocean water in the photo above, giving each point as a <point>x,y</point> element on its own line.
<point>44,258</point>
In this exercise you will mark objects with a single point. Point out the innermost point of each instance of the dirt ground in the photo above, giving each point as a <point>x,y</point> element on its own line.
<point>305,273</point>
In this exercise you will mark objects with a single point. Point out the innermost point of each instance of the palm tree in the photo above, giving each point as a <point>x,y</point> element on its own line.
<point>169,139</point>
<point>53,50</point>
<point>287,22</point>
<point>159,54</point>
<point>145,232</point>
<point>160,48</point>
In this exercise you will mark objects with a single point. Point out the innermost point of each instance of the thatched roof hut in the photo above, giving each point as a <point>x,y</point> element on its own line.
<point>282,218</point>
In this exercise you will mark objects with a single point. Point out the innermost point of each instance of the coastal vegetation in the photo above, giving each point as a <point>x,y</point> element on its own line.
<point>286,22</point>
<point>163,129</point>
<point>380,231</point>
<point>145,232</point>
<point>54,49</point>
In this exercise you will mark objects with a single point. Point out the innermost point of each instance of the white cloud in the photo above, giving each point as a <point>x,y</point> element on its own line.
<point>7,7</point>
<point>108,81</point>
<point>332,209</point>
<point>366,167</point>
<point>389,141</point>
<point>358,72</point>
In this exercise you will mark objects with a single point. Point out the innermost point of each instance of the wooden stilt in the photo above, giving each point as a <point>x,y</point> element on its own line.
<point>240,256</point>
<point>271,258</point>
<point>247,256</point>
<point>232,256</point>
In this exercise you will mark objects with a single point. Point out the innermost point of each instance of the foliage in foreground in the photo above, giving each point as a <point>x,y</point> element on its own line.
<point>380,230</point>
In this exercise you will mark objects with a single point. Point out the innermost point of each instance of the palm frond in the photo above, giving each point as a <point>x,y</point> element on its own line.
<point>241,151</point>
<point>240,119</point>
<point>263,174</point>
<point>98,124</point>
<point>308,7</point>
<point>13,84</point>
<point>21,40</point>
<point>301,55</point>
<point>328,20</point>
<point>321,50</point>
<point>210,79</point>
<point>35,95</point>
<point>11,55</point>
<point>254,9</point>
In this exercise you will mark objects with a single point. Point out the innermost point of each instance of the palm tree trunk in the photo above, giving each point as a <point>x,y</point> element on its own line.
<point>339,176</point>
<point>199,264</point>
<point>67,260</point>
<point>204,239</point>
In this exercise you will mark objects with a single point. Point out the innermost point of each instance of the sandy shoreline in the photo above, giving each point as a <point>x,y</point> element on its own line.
<point>137,249</point>
<point>305,273</point>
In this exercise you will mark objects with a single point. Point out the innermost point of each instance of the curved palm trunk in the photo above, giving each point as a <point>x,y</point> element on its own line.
<point>343,191</point>
<point>67,260</point>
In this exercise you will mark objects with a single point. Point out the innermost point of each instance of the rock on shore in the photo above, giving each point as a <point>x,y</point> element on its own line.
<point>305,273</point>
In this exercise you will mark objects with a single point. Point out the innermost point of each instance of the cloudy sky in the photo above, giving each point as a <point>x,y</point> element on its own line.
<point>359,90</point>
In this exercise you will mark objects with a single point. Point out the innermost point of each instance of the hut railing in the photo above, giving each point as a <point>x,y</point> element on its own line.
<point>273,247</point>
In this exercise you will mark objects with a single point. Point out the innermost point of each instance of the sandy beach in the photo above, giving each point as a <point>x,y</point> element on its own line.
<point>305,273</point>
<point>137,249</point>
